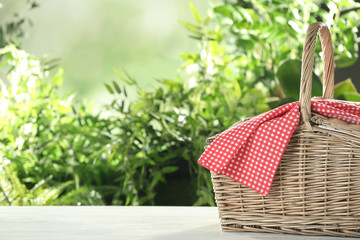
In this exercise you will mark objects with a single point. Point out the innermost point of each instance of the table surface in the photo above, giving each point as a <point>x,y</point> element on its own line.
<point>23,223</point>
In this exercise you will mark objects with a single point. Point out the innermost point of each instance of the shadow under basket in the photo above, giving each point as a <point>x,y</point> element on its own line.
<point>316,189</point>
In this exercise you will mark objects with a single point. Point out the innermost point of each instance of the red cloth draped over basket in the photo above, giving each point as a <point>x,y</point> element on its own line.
<point>250,152</point>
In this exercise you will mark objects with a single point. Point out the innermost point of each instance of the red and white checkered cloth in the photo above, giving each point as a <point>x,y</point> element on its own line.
<point>250,152</point>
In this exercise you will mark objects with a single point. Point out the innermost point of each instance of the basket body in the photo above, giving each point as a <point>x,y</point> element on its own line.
<point>316,189</point>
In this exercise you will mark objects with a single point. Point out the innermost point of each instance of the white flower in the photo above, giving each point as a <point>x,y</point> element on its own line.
<point>28,128</point>
<point>20,97</point>
<point>4,104</point>
<point>192,68</point>
<point>192,82</point>
<point>211,69</point>
<point>31,83</point>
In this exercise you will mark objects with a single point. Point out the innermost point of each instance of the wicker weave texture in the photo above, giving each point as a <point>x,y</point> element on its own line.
<point>316,189</point>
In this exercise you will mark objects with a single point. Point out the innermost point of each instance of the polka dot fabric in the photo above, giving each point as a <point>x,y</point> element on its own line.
<point>250,152</point>
<point>346,111</point>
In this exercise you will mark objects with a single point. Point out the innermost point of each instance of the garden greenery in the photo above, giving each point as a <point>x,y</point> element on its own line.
<point>12,31</point>
<point>144,152</point>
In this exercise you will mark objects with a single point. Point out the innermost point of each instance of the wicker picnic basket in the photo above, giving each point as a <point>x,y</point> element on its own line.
<point>316,189</point>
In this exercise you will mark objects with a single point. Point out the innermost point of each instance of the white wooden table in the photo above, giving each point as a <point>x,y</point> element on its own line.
<point>37,223</point>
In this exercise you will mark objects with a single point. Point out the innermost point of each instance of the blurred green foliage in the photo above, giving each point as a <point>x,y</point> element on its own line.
<point>39,135</point>
<point>46,137</point>
<point>263,41</point>
<point>12,31</point>
<point>144,152</point>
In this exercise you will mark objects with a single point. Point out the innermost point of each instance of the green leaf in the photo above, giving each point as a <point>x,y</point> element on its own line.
<point>237,88</point>
<point>169,169</point>
<point>224,10</point>
<point>159,93</point>
<point>346,86</point>
<point>244,13</point>
<point>125,92</point>
<point>289,75</point>
<point>195,13</point>
<point>158,177</point>
<point>128,79</point>
<point>245,43</point>
<point>34,5</point>
<point>138,106</point>
<point>207,20</point>
<point>196,29</point>
<point>111,91</point>
<point>117,87</point>
<point>351,96</point>
<point>58,78</point>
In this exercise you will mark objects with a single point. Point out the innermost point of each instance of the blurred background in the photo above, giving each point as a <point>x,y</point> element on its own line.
<point>163,76</point>
<point>91,38</point>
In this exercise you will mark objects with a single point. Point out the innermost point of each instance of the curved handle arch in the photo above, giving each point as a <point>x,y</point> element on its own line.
<point>313,30</point>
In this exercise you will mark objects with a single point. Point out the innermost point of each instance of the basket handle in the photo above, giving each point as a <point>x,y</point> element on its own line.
<point>307,68</point>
